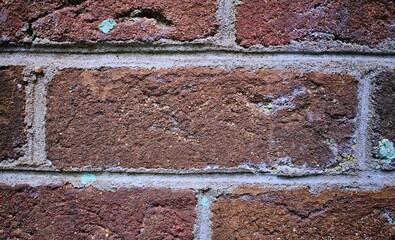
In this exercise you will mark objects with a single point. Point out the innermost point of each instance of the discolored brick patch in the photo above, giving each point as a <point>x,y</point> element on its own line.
<point>273,23</point>
<point>79,21</point>
<point>196,117</point>
<point>62,212</point>
<point>12,112</point>
<point>297,214</point>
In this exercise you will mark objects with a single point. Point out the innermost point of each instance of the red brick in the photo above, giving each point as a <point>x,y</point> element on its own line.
<point>78,20</point>
<point>12,112</point>
<point>297,214</point>
<point>384,102</point>
<point>269,23</point>
<point>384,92</point>
<point>195,117</point>
<point>62,212</point>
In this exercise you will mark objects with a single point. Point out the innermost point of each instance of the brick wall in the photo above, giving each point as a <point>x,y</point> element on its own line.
<point>195,119</point>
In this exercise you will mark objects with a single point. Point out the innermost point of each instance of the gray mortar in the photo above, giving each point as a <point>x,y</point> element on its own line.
<point>356,66</point>
<point>363,131</point>
<point>29,114</point>
<point>222,41</point>
<point>217,183</point>
<point>202,229</point>
<point>39,152</point>
<point>353,64</point>
<point>226,17</point>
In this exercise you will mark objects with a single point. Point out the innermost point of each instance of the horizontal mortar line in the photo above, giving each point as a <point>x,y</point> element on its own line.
<point>195,59</point>
<point>216,52</point>
<point>185,48</point>
<point>241,169</point>
<point>110,181</point>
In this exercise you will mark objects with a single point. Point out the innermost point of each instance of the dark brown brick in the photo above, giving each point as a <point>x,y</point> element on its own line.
<point>384,102</point>
<point>194,117</point>
<point>269,23</point>
<point>384,99</point>
<point>297,214</point>
<point>62,212</point>
<point>12,112</point>
<point>78,21</point>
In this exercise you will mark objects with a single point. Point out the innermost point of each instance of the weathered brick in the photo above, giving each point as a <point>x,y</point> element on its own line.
<point>384,102</point>
<point>270,23</point>
<point>62,212</point>
<point>195,117</point>
<point>78,21</point>
<point>297,214</point>
<point>384,92</point>
<point>12,112</point>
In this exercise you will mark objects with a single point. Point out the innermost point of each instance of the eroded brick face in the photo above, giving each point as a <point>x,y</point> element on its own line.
<point>12,112</point>
<point>195,117</point>
<point>273,23</point>
<point>62,212</point>
<point>384,118</point>
<point>297,214</point>
<point>384,100</point>
<point>78,21</point>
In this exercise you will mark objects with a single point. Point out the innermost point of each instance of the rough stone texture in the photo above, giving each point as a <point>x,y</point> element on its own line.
<point>296,214</point>
<point>384,102</point>
<point>12,112</point>
<point>62,212</point>
<point>78,20</point>
<point>195,117</point>
<point>384,99</point>
<point>364,22</point>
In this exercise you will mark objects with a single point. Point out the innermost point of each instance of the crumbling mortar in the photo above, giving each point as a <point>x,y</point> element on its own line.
<point>204,214</point>
<point>305,62</point>
<point>365,107</point>
<point>215,184</point>
<point>226,17</point>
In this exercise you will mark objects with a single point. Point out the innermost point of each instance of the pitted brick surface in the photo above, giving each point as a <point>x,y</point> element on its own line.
<point>272,23</point>
<point>195,117</point>
<point>384,120</point>
<point>12,112</point>
<point>384,100</point>
<point>78,21</point>
<point>297,214</point>
<point>62,212</point>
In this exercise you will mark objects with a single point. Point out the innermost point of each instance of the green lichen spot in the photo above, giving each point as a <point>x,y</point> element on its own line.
<point>107,25</point>
<point>348,157</point>
<point>88,178</point>
<point>386,150</point>
<point>266,107</point>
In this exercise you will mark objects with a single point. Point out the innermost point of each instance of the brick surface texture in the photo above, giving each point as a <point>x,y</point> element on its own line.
<point>384,99</point>
<point>274,23</point>
<point>384,118</point>
<point>197,119</point>
<point>194,117</point>
<point>12,113</point>
<point>62,212</point>
<point>78,21</point>
<point>297,214</point>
